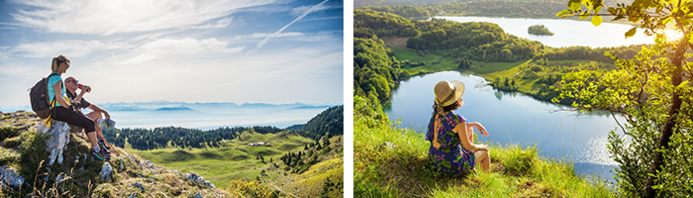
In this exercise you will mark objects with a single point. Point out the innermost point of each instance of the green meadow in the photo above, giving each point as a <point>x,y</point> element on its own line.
<point>233,160</point>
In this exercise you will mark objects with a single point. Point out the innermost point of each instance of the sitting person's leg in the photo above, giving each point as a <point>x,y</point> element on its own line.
<point>95,116</point>
<point>77,119</point>
<point>483,158</point>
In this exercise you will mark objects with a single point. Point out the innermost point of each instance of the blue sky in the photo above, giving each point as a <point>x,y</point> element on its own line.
<point>189,51</point>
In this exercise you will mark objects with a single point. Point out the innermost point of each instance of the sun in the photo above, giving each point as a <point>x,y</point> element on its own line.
<point>672,35</point>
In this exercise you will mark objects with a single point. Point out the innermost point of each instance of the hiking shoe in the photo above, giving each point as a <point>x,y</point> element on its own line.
<point>105,147</point>
<point>106,154</point>
<point>98,156</point>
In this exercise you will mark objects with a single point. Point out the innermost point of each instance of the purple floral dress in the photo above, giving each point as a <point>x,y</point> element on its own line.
<point>451,158</point>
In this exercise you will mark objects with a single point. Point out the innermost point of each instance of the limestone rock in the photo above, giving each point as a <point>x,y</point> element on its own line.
<point>121,165</point>
<point>10,179</point>
<point>106,172</point>
<point>193,176</point>
<point>56,144</point>
<point>138,185</point>
<point>197,195</point>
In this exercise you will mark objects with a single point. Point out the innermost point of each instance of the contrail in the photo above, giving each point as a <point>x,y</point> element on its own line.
<point>312,9</point>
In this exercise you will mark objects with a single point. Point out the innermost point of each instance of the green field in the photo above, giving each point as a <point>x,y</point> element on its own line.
<point>234,160</point>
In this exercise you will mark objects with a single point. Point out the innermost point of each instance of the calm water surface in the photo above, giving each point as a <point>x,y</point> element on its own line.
<point>513,119</point>
<point>566,32</point>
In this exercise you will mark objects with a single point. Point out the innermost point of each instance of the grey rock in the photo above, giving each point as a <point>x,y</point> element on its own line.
<point>121,165</point>
<point>10,179</point>
<point>147,164</point>
<point>197,195</point>
<point>210,184</point>
<point>106,172</point>
<point>133,195</point>
<point>138,185</point>
<point>59,133</point>
<point>177,173</point>
<point>193,176</point>
<point>132,159</point>
<point>201,181</point>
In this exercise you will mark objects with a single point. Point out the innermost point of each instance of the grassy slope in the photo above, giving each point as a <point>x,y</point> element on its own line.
<point>24,150</point>
<point>383,171</point>
<point>310,182</point>
<point>235,160</point>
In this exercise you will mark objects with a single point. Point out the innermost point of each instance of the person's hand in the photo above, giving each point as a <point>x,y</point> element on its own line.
<point>481,129</point>
<point>86,88</point>
<point>482,147</point>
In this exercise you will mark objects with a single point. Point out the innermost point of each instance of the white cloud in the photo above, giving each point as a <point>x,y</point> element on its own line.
<point>221,23</point>
<point>187,46</point>
<point>298,11</point>
<point>106,17</point>
<point>70,48</point>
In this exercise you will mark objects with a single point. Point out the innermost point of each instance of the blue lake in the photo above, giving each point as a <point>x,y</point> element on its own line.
<point>513,118</point>
<point>567,32</point>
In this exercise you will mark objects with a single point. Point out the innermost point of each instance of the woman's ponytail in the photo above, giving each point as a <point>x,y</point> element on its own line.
<point>54,64</point>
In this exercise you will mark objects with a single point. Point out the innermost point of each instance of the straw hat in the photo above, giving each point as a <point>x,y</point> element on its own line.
<point>448,92</point>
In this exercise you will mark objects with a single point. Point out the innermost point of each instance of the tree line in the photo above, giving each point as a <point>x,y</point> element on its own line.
<point>162,137</point>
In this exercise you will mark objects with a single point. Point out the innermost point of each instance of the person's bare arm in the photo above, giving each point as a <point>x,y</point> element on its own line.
<point>59,95</point>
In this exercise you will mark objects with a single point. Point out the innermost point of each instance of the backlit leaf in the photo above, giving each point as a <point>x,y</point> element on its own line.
<point>596,20</point>
<point>564,13</point>
<point>631,32</point>
<point>612,11</point>
<point>574,5</point>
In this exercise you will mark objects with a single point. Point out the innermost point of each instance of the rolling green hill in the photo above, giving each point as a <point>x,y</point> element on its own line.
<point>233,160</point>
<point>247,156</point>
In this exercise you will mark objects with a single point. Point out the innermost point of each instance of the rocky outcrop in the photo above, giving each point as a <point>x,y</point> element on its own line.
<point>106,172</point>
<point>199,180</point>
<point>59,133</point>
<point>58,161</point>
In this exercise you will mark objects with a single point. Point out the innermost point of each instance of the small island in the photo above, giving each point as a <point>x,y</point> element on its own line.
<point>539,30</point>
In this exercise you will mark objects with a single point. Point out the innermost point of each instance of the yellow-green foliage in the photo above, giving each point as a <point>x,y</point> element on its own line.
<point>382,170</point>
<point>251,189</point>
<point>325,178</point>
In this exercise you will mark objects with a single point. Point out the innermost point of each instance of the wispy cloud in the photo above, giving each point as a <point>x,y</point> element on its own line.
<point>221,23</point>
<point>75,48</point>
<point>305,11</point>
<point>105,17</point>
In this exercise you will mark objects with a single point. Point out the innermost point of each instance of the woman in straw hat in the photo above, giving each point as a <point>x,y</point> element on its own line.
<point>452,149</point>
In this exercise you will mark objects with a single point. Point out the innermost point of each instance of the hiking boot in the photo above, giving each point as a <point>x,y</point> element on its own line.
<point>98,156</point>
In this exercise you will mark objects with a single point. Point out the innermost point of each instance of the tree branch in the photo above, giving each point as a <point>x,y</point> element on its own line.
<point>619,124</point>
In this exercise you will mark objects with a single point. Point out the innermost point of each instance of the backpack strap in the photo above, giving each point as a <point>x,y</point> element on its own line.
<point>52,103</point>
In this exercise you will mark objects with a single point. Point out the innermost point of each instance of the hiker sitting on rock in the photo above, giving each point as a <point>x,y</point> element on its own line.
<point>63,108</point>
<point>79,103</point>
<point>452,150</point>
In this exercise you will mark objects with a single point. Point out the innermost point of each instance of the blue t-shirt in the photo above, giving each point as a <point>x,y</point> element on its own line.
<point>51,82</point>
